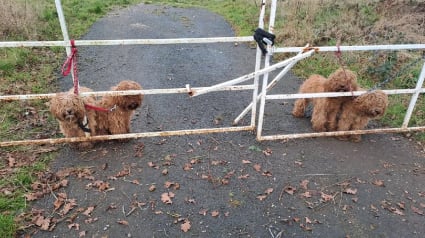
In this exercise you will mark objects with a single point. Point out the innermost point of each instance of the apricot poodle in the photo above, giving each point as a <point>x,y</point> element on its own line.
<point>357,113</point>
<point>117,121</point>
<point>74,121</point>
<point>325,110</point>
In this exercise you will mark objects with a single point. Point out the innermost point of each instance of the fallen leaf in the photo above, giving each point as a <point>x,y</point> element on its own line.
<point>398,212</point>
<point>307,220</point>
<point>82,234</point>
<point>122,222</point>
<point>187,167</point>
<point>42,222</point>
<point>306,194</point>
<point>165,198</point>
<point>298,163</point>
<point>88,211</point>
<point>417,210</point>
<point>267,152</point>
<point>215,213</point>
<point>379,183</point>
<point>304,184</point>
<point>123,173</point>
<point>58,203</point>
<point>185,227</point>
<point>135,181</point>
<point>76,226</point>
<point>246,162</point>
<point>152,188</point>
<point>91,220</point>
<point>268,191</point>
<point>164,172</point>
<point>261,197</point>
<point>245,176</point>
<point>203,212</point>
<point>351,191</point>
<point>401,205</point>
<point>257,167</point>
<point>267,173</point>
<point>290,190</point>
<point>326,197</point>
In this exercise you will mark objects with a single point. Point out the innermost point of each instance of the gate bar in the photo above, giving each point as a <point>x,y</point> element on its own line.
<point>246,77</point>
<point>340,133</point>
<point>127,42</point>
<point>353,48</point>
<point>122,93</point>
<point>126,136</point>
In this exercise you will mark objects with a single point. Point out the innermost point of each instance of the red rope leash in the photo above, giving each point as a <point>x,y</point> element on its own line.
<point>71,62</point>
<point>338,55</point>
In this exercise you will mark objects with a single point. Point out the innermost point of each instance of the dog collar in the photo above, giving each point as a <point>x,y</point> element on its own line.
<point>84,125</point>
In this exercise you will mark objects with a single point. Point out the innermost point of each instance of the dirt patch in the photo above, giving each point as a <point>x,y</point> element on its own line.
<point>218,185</point>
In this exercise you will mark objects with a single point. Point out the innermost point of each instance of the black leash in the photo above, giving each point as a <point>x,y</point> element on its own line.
<point>263,38</point>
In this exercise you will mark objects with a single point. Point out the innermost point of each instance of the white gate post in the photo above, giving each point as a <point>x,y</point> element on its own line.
<point>414,98</point>
<point>266,76</point>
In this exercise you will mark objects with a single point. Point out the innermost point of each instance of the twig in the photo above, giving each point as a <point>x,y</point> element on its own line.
<point>131,211</point>
<point>306,175</point>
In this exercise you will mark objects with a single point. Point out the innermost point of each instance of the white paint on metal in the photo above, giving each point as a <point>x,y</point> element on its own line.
<point>415,96</point>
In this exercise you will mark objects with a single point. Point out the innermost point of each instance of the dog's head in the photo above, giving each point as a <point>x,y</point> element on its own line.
<point>128,102</point>
<point>372,104</point>
<point>67,107</point>
<point>342,80</point>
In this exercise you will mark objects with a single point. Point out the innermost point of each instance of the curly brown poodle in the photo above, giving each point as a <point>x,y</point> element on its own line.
<point>117,121</point>
<point>325,110</point>
<point>74,120</point>
<point>357,113</point>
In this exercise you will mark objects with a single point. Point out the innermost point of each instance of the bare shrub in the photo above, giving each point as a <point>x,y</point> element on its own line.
<point>18,19</point>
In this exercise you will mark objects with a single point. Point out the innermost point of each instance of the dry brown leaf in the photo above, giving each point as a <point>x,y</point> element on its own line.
<point>152,188</point>
<point>123,173</point>
<point>304,183</point>
<point>187,167</point>
<point>261,197</point>
<point>398,212</point>
<point>123,222</point>
<point>268,191</point>
<point>82,234</point>
<point>135,181</point>
<point>165,198</point>
<point>257,167</point>
<point>42,222</point>
<point>267,173</point>
<point>298,163</point>
<point>296,219</point>
<point>290,190</point>
<point>88,211</point>
<point>326,197</point>
<point>168,184</point>
<point>69,205</point>
<point>351,191</point>
<point>58,203</point>
<point>164,172</point>
<point>91,220</point>
<point>379,183</point>
<point>245,176</point>
<point>267,152</point>
<point>246,162</point>
<point>215,213</point>
<point>306,194</point>
<point>307,220</point>
<point>203,212</point>
<point>185,227</point>
<point>417,210</point>
<point>401,205</point>
<point>76,226</point>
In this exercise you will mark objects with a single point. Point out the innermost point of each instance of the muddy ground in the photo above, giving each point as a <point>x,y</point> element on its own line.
<point>225,184</point>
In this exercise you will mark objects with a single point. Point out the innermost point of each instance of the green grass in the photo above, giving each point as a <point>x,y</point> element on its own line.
<point>7,226</point>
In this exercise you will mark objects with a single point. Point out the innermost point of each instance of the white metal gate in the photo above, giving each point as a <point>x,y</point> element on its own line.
<point>231,85</point>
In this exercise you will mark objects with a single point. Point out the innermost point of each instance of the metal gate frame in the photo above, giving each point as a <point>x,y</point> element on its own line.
<point>303,52</point>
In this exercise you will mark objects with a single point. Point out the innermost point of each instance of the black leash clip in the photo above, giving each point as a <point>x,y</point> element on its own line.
<point>263,38</point>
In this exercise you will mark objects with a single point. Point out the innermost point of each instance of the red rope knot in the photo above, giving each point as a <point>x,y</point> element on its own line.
<point>71,62</point>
